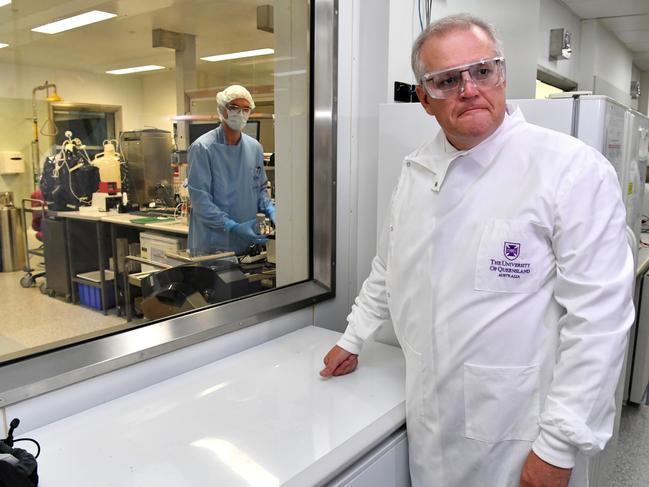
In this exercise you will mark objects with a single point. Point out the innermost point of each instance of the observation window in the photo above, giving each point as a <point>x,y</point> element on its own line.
<point>105,192</point>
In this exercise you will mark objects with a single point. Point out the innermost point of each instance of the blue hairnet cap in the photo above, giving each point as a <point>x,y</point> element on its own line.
<point>233,92</point>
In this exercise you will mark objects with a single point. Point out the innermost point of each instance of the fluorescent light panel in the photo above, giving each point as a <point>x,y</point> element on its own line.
<point>3,45</point>
<point>5,2</point>
<point>136,69</point>
<point>238,55</point>
<point>74,22</point>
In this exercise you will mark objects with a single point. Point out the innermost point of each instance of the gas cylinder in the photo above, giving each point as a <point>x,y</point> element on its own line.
<point>108,163</point>
<point>12,247</point>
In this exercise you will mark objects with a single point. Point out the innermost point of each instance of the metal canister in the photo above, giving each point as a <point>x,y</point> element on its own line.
<point>12,251</point>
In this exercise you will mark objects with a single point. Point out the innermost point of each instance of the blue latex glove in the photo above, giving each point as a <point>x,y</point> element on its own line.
<point>246,230</point>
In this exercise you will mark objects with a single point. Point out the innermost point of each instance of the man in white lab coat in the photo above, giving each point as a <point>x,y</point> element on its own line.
<point>505,270</point>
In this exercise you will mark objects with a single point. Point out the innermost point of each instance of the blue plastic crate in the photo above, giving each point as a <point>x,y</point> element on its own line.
<point>91,296</point>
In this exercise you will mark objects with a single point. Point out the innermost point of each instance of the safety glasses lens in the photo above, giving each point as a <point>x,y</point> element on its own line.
<point>238,109</point>
<point>484,72</point>
<point>446,83</point>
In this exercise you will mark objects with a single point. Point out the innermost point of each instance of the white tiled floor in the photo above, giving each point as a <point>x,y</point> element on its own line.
<point>632,462</point>
<point>30,319</point>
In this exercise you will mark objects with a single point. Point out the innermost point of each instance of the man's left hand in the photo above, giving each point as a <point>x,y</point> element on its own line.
<point>538,473</point>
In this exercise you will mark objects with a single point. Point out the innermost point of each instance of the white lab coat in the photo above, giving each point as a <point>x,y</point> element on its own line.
<point>508,278</point>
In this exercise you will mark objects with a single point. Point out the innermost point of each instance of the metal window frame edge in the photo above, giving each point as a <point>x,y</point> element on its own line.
<point>53,370</point>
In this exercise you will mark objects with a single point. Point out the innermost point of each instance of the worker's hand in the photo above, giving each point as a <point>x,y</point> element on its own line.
<point>248,232</point>
<point>339,362</point>
<point>538,473</point>
<point>271,215</point>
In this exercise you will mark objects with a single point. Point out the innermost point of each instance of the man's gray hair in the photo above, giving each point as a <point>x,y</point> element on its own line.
<point>448,24</point>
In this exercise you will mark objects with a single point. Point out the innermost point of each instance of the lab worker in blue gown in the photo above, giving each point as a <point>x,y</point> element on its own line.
<point>227,181</point>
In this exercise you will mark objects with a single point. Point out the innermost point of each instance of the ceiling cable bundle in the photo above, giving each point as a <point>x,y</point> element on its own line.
<point>424,9</point>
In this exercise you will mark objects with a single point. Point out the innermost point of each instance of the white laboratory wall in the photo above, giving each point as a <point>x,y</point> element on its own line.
<point>555,15</point>
<point>17,81</point>
<point>370,64</point>
<point>158,101</point>
<point>516,21</point>
<point>605,64</point>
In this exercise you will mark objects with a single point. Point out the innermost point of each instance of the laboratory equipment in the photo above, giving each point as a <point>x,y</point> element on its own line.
<point>104,201</point>
<point>147,154</point>
<point>12,252</point>
<point>154,246</point>
<point>190,286</point>
<point>48,129</point>
<point>109,163</point>
<point>36,206</point>
<point>69,179</point>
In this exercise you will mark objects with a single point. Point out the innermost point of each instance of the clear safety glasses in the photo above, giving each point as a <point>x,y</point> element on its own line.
<point>237,109</point>
<point>485,73</point>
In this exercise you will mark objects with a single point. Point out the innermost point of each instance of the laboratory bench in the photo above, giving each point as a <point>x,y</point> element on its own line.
<point>260,417</point>
<point>81,242</point>
<point>86,241</point>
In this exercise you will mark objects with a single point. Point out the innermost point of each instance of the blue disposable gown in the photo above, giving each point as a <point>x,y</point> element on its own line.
<point>226,182</point>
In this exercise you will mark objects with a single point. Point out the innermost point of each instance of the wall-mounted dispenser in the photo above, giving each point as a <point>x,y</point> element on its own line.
<point>560,46</point>
<point>12,162</point>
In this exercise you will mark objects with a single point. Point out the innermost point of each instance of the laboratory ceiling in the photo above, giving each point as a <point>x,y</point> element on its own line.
<point>220,26</point>
<point>628,20</point>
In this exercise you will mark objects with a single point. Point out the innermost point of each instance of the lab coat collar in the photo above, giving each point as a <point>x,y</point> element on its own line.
<point>438,154</point>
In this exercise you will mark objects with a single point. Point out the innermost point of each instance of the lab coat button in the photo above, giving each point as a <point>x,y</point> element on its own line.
<point>391,228</point>
<point>408,163</point>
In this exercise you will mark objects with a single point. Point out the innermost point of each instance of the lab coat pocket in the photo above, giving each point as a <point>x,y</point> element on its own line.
<point>513,257</point>
<point>501,403</point>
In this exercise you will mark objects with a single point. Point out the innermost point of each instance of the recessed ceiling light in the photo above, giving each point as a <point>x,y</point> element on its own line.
<point>74,22</point>
<point>5,2</point>
<point>3,45</point>
<point>237,55</point>
<point>136,69</point>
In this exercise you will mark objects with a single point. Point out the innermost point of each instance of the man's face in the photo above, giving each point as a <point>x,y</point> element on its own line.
<point>470,116</point>
<point>238,105</point>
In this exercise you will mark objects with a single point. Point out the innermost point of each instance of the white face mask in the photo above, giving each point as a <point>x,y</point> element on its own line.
<point>236,121</point>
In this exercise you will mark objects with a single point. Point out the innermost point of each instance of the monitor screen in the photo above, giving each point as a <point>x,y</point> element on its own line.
<point>196,129</point>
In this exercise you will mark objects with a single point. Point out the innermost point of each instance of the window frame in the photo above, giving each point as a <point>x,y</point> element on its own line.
<point>115,110</point>
<point>35,375</point>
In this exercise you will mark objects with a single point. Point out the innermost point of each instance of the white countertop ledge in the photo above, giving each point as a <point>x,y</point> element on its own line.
<point>262,417</point>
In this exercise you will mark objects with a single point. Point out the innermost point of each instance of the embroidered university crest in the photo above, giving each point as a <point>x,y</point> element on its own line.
<point>512,250</point>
